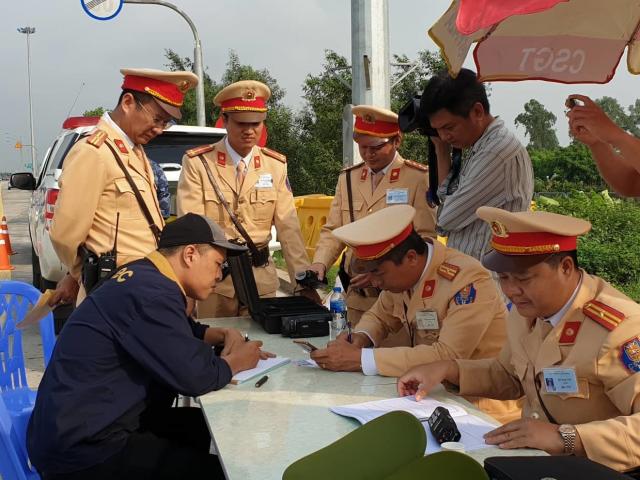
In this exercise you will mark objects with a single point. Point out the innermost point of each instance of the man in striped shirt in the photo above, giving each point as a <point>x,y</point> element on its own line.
<point>495,169</point>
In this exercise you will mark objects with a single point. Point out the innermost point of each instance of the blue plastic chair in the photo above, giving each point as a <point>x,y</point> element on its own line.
<point>16,398</point>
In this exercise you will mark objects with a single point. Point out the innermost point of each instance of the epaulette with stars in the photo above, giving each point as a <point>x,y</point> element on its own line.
<point>97,138</point>
<point>416,165</point>
<point>194,152</point>
<point>273,154</point>
<point>603,314</point>
<point>448,271</point>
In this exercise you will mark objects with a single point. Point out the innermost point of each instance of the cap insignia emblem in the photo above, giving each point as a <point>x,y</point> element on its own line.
<point>498,229</point>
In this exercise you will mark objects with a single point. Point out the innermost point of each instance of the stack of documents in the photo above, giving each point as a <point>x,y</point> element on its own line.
<point>472,428</point>
<point>263,367</point>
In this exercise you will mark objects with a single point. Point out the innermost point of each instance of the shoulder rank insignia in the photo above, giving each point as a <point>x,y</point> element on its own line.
<point>448,271</point>
<point>97,138</point>
<point>630,354</point>
<point>569,333</point>
<point>194,152</point>
<point>394,176</point>
<point>416,165</point>
<point>273,154</point>
<point>603,314</point>
<point>353,167</point>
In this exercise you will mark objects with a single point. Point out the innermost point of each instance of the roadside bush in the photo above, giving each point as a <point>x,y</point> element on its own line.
<point>612,249</point>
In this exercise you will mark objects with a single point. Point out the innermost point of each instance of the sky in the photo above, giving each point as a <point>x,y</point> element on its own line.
<point>73,55</point>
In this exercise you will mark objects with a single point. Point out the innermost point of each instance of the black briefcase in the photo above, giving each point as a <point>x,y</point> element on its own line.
<point>556,467</point>
<point>269,312</point>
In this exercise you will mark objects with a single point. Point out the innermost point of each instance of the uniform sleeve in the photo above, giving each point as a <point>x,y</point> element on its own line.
<point>286,222</point>
<point>424,221</point>
<point>329,248</point>
<point>190,194</point>
<point>379,321</point>
<point>615,441</point>
<point>163,343</point>
<point>462,330</point>
<point>199,330</point>
<point>81,185</point>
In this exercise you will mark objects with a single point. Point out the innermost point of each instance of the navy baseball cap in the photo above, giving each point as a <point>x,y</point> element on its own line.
<point>192,229</point>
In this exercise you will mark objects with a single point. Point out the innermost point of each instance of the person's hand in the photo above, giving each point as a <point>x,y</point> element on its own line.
<point>311,294</point>
<point>244,356</point>
<point>339,356</point>
<point>66,291</point>
<point>232,338</point>
<point>361,280</point>
<point>588,123</point>
<point>420,380</point>
<point>358,339</point>
<point>319,268</point>
<point>527,433</point>
<point>440,144</point>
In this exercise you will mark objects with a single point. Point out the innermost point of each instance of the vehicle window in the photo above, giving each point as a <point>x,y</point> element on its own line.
<point>45,163</point>
<point>65,145</point>
<point>170,146</point>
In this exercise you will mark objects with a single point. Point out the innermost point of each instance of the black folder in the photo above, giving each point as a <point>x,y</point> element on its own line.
<point>556,467</point>
<point>268,312</point>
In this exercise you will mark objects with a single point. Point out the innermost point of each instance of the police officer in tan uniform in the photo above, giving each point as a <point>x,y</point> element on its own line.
<point>384,178</point>
<point>253,182</point>
<point>573,347</point>
<point>95,194</point>
<point>441,302</point>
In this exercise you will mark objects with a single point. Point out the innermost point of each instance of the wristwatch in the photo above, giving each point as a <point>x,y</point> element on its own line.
<point>568,434</point>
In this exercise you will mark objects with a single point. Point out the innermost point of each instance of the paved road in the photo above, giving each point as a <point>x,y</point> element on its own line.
<point>16,206</point>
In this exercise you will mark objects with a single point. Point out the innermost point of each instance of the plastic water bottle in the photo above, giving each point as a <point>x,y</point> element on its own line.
<point>338,310</point>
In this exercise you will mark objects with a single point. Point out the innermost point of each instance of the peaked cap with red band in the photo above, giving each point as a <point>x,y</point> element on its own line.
<point>523,239</point>
<point>375,235</point>
<point>375,122</point>
<point>166,88</point>
<point>246,100</point>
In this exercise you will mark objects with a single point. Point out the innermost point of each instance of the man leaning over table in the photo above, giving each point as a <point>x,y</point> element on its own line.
<point>437,302</point>
<point>104,406</point>
<point>573,347</point>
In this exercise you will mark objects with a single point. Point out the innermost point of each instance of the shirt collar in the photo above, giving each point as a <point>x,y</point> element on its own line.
<point>107,118</point>
<point>165,268</point>
<point>385,169</point>
<point>235,156</point>
<point>556,317</point>
<point>492,127</point>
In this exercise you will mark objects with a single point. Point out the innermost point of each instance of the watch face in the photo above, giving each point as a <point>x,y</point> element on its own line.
<point>566,429</point>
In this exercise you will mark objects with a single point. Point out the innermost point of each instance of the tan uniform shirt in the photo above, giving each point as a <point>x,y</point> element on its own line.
<point>93,190</point>
<point>264,200</point>
<point>606,360</point>
<point>454,312</point>
<point>401,175</point>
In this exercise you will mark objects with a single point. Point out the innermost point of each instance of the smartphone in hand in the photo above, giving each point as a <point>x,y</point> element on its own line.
<point>306,346</point>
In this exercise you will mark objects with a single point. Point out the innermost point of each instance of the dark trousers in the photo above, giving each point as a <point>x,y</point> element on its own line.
<point>172,443</point>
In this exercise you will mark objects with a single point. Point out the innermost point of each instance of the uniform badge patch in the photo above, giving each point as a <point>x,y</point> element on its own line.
<point>222,159</point>
<point>428,288</point>
<point>256,162</point>
<point>363,175</point>
<point>395,175</point>
<point>569,333</point>
<point>120,144</point>
<point>465,296</point>
<point>630,354</point>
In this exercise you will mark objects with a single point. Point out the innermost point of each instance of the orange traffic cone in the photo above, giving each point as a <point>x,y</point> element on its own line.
<point>4,234</point>
<point>5,264</point>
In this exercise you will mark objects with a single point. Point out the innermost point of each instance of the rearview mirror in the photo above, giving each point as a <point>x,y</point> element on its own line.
<point>23,181</point>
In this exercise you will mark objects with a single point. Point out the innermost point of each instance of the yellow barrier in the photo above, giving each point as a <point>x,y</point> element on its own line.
<point>313,211</point>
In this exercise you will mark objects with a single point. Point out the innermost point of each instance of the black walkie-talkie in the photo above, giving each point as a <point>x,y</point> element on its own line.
<point>107,262</point>
<point>443,427</point>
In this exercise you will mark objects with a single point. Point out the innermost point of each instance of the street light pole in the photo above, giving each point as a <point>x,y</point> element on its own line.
<point>30,31</point>
<point>197,54</point>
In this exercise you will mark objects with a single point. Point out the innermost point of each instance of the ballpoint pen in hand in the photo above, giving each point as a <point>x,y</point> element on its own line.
<point>349,332</point>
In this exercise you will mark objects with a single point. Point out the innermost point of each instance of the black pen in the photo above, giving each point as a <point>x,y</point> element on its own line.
<point>262,381</point>
<point>246,337</point>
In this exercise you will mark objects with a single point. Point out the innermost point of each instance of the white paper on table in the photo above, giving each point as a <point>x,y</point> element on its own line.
<point>263,367</point>
<point>472,428</point>
<point>306,362</point>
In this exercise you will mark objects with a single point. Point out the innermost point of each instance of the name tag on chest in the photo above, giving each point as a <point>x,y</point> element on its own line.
<point>427,320</point>
<point>560,380</point>
<point>397,196</point>
<point>265,181</point>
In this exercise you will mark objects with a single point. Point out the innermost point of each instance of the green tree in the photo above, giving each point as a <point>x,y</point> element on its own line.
<point>96,112</point>
<point>615,111</point>
<point>539,125</point>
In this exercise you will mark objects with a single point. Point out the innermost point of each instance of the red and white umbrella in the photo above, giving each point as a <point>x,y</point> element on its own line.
<point>567,41</point>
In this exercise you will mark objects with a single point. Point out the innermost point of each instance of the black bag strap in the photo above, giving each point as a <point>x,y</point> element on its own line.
<point>252,246</point>
<point>349,194</point>
<point>155,230</point>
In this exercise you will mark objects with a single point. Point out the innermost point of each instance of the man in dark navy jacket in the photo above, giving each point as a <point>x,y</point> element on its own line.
<point>104,407</point>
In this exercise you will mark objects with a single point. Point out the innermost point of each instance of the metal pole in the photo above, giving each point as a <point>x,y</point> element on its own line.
<point>197,54</point>
<point>29,31</point>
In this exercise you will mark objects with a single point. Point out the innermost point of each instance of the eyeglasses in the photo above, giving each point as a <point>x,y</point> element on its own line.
<point>157,122</point>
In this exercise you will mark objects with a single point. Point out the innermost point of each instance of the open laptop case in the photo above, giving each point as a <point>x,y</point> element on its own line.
<point>268,312</point>
<point>547,467</point>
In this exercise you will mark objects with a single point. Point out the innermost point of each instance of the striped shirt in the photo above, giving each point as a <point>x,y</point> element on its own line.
<point>497,172</point>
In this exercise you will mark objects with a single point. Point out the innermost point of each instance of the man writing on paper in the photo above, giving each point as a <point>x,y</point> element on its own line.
<point>438,302</point>
<point>573,347</point>
<point>104,406</point>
